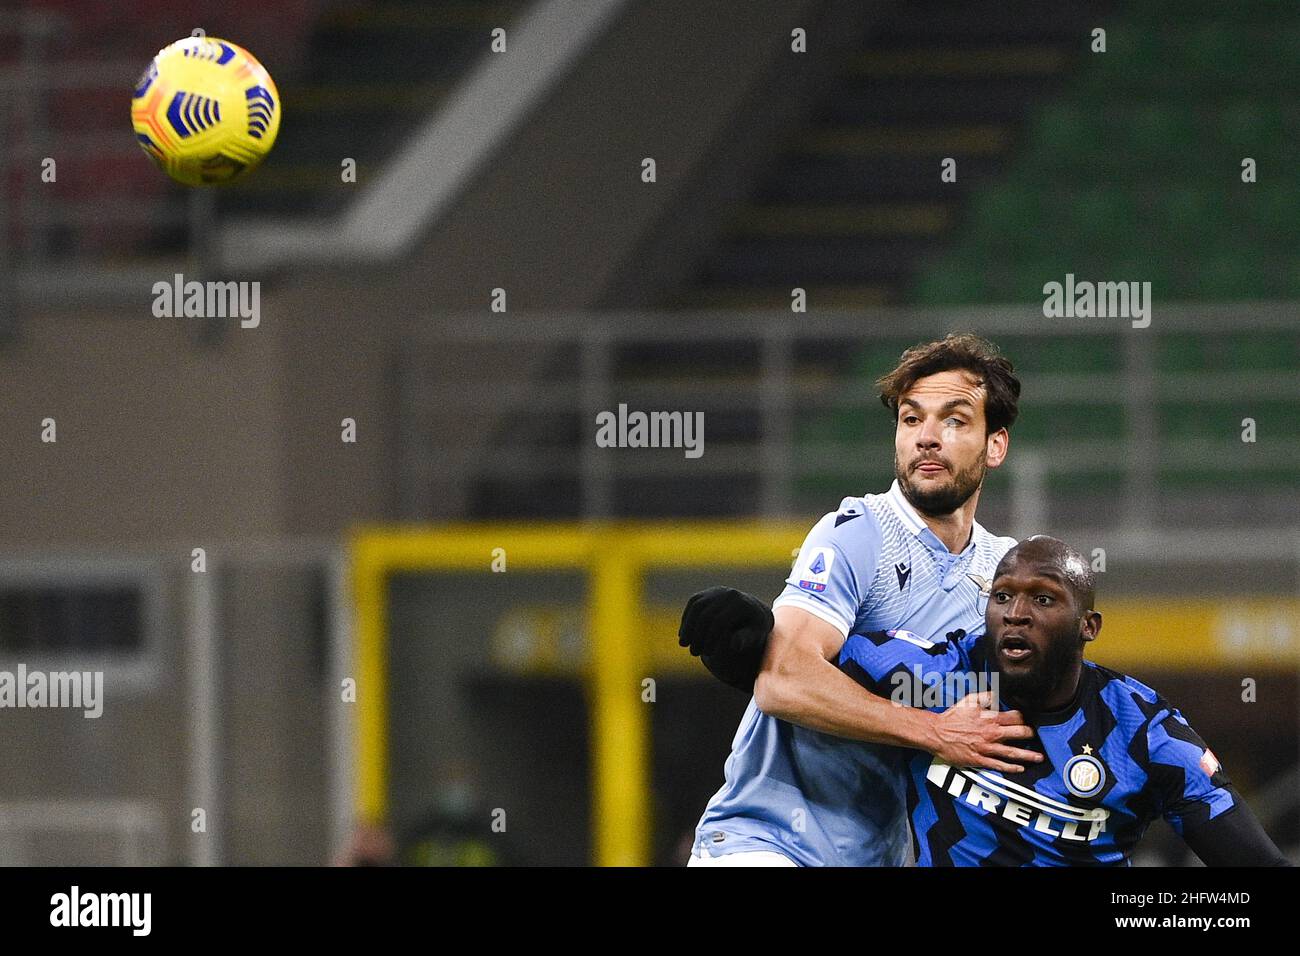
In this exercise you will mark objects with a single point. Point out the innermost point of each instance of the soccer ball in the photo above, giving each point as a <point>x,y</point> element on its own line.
<point>206,111</point>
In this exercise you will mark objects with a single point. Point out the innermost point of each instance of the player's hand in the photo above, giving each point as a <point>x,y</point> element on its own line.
<point>972,735</point>
<point>727,630</point>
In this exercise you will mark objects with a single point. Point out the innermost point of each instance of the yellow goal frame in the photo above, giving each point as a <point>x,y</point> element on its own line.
<point>616,556</point>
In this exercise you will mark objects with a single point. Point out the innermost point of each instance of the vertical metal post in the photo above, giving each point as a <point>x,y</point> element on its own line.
<point>201,220</point>
<point>777,451</point>
<point>203,686</point>
<point>368,586</point>
<point>414,498</point>
<point>1028,493</point>
<point>202,226</point>
<point>620,721</point>
<point>1140,413</point>
<point>597,467</point>
<point>8,268</point>
<point>36,140</point>
<point>339,714</point>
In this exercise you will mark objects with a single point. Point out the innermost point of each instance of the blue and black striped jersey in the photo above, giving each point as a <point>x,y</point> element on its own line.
<point>1117,756</point>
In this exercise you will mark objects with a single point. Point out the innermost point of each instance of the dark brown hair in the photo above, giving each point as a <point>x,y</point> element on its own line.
<point>958,351</point>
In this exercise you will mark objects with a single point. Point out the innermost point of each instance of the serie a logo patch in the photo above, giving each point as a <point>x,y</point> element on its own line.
<point>817,572</point>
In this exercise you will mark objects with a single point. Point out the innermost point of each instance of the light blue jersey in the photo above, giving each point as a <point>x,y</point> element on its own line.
<point>873,565</point>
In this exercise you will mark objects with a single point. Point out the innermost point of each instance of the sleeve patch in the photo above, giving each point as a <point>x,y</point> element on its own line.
<point>1210,763</point>
<point>911,638</point>
<point>817,570</point>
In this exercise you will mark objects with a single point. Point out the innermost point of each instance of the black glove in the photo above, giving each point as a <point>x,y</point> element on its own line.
<point>727,630</point>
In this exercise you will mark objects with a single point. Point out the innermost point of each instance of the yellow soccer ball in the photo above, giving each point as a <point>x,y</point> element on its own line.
<point>206,111</point>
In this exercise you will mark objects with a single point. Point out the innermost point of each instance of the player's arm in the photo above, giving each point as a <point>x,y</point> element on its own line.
<point>1200,802</point>
<point>799,683</point>
<point>971,732</point>
<point>1234,838</point>
<point>729,630</point>
<point>793,678</point>
<point>796,679</point>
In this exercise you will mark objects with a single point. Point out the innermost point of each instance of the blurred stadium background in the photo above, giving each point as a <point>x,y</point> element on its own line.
<point>481,692</point>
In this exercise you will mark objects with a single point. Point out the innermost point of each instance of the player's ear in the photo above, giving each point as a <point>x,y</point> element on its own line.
<point>1090,625</point>
<point>995,447</point>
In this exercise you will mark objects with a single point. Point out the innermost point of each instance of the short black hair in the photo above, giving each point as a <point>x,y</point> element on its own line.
<point>1067,561</point>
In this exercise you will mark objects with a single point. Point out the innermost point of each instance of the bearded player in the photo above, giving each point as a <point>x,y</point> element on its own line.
<point>810,781</point>
<point>1118,755</point>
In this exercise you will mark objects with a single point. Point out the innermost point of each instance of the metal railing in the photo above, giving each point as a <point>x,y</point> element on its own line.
<point>194,682</point>
<point>30,272</point>
<point>783,388</point>
<point>135,828</point>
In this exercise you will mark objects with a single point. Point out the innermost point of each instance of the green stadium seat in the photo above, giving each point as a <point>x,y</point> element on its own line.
<point>1144,261</point>
<point>1183,214</point>
<point>1072,354</point>
<point>1260,351</point>
<point>1251,351</point>
<point>1004,211</point>
<point>1135,175</point>
<point>880,356</point>
<point>1207,422</point>
<point>1289,280</point>
<point>836,427</point>
<point>953,283</point>
<point>1265,211</point>
<point>1179,352</point>
<point>1067,133</point>
<point>1087,422</point>
<point>1096,216</point>
<point>1087,484</point>
<point>1214,49</point>
<point>1236,276</point>
<point>1214,481</point>
<point>1220,423</point>
<point>1160,131</point>
<point>1245,126</point>
<point>1239,12</point>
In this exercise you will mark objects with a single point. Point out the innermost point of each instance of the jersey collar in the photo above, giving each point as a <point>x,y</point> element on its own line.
<point>914,523</point>
<point>1047,718</point>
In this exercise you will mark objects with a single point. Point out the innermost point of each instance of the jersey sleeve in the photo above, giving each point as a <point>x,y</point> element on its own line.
<point>1190,786</point>
<point>836,566</point>
<point>1234,838</point>
<point>903,666</point>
